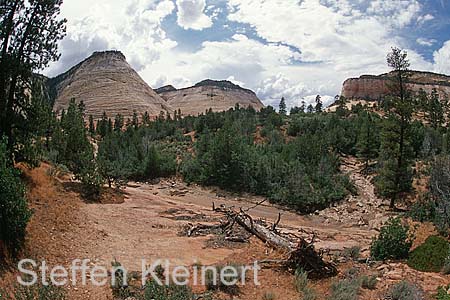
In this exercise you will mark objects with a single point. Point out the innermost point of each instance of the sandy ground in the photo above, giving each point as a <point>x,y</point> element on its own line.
<point>147,226</point>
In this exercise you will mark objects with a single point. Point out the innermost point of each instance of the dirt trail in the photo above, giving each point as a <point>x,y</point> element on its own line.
<point>138,230</point>
<point>365,209</point>
<point>147,224</point>
<point>141,227</point>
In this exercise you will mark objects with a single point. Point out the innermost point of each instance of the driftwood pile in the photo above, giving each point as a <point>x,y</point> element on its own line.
<point>299,252</point>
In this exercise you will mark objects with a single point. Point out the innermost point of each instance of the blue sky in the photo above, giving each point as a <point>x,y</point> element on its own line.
<point>291,48</point>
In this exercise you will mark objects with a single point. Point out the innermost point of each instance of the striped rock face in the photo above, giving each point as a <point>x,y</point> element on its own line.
<point>105,82</point>
<point>369,87</point>
<point>209,94</point>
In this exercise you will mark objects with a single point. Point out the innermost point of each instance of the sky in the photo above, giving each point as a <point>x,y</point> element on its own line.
<point>295,49</point>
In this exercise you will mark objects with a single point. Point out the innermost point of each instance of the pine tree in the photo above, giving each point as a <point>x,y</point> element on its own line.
<point>341,110</point>
<point>77,143</point>
<point>102,125</point>
<point>282,106</point>
<point>135,121</point>
<point>146,118</point>
<point>303,106</point>
<point>319,105</point>
<point>29,35</point>
<point>110,127</point>
<point>435,110</point>
<point>91,125</point>
<point>367,145</point>
<point>35,134</point>
<point>295,110</point>
<point>118,122</point>
<point>395,153</point>
<point>310,109</point>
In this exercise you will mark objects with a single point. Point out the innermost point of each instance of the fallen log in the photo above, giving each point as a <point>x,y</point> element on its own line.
<point>301,254</point>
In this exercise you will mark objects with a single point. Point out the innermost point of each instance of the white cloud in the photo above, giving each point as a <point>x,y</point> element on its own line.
<point>426,42</point>
<point>395,13</point>
<point>133,27</point>
<point>425,18</point>
<point>442,58</point>
<point>191,14</point>
<point>335,40</point>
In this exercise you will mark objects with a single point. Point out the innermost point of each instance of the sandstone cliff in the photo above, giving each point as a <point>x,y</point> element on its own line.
<point>217,95</point>
<point>369,87</point>
<point>105,82</point>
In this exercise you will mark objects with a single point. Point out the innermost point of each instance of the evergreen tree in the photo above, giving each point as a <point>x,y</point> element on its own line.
<point>319,105</point>
<point>135,121</point>
<point>91,125</point>
<point>310,109</point>
<point>14,212</point>
<point>282,106</point>
<point>152,163</point>
<point>367,145</point>
<point>146,118</point>
<point>118,122</point>
<point>110,126</point>
<point>395,156</point>
<point>295,110</point>
<point>303,106</point>
<point>435,110</point>
<point>102,125</point>
<point>112,162</point>
<point>35,134</point>
<point>29,35</point>
<point>77,145</point>
<point>341,110</point>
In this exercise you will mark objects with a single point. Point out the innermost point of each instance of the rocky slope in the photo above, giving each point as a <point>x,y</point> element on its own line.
<point>217,95</point>
<point>105,82</point>
<point>370,87</point>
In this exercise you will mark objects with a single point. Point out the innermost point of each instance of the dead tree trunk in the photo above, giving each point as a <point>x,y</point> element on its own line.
<point>301,254</point>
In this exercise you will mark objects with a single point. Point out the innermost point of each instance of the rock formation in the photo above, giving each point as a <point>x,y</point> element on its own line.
<point>369,87</point>
<point>105,82</point>
<point>217,95</point>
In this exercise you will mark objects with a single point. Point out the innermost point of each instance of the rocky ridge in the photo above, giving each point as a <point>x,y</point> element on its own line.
<point>371,87</point>
<point>209,94</point>
<point>105,82</point>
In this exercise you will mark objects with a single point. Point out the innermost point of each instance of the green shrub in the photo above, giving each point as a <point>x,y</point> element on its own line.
<point>301,280</point>
<point>352,253</point>
<point>369,282</point>
<point>393,242</point>
<point>351,273</point>
<point>440,193</point>
<point>345,290</point>
<point>14,212</point>
<point>430,256</point>
<point>268,296</point>
<point>443,293</point>
<point>35,292</point>
<point>154,291</point>
<point>423,211</point>
<point>405,291</point>
<point>309,294</point>
<point>446,268</point>
<point>213,283</point>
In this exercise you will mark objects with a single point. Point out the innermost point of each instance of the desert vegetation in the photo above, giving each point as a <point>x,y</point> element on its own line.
<point>294,160</point>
